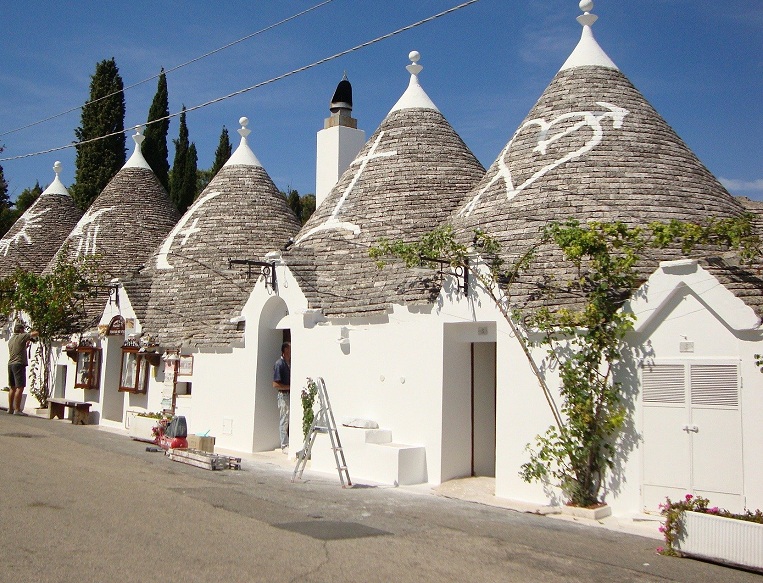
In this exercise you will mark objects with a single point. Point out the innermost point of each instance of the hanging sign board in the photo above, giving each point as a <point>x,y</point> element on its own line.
<point>116,327</point>
<point>186,365</point>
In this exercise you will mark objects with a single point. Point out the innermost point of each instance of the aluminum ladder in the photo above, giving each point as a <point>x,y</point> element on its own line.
<point>323,422</point>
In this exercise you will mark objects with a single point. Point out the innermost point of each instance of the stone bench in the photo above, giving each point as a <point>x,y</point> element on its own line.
<point>80,410</point>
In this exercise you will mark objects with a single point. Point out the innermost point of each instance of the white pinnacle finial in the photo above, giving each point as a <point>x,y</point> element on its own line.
<point>243,131</point>
<point>414,68</point>
<point>587,52</point>
<point>414,96</point>
<point>139,137</point>
<point>243,156</point>
<point>586,19</point>
<point>137,160</point>
<point>56,187</point>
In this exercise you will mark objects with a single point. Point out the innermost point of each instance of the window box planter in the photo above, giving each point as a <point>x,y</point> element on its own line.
<point>723,540</point>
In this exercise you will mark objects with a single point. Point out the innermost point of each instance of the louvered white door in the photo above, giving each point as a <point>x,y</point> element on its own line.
<point>692,433</point>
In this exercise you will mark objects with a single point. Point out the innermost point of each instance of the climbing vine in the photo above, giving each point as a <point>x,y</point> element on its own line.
<point>586,341</point>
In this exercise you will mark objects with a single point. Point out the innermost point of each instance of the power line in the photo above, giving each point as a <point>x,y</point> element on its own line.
<point>175,68</point>
<point>258,85</point>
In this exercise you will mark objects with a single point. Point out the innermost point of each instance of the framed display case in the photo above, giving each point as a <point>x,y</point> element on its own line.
<point>136,368</point>
<point>88,367</point>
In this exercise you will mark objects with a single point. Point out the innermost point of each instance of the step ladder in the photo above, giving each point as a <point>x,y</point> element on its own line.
<point>323,422</point>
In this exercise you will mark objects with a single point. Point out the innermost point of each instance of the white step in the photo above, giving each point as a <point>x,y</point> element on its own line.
<point>371,455</point>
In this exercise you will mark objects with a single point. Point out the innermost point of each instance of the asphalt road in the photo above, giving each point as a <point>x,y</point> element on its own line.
<point>79,504</point>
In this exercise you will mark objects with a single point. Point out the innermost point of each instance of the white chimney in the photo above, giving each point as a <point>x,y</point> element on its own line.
<point>338,143</point>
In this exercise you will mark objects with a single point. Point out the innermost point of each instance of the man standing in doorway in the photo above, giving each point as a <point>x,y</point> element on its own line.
<point>282,382</point>
<point>17,362</point>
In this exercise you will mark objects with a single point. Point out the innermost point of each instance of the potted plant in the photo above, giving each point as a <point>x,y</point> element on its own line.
<point>140,426</point>
<point>695,529</point>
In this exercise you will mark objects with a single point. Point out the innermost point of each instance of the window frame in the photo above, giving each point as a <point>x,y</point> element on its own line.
<point>93,374</point>
<point>142,370</point>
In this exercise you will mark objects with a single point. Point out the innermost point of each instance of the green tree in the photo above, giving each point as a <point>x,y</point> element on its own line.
<point>203,178</point>
<point>54,305</point>
<point>308,207</point>
<point>7,215</point>
<point>97,162</point>
<point>155,145</point>
<point>4,199</point>
<point>183,178</point>
<point>303,206</point>
<point>27,198</point>
<point>223,152</point>
<point>294,202</point>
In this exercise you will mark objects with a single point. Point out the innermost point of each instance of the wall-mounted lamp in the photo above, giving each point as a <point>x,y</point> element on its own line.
<point>267,269</point>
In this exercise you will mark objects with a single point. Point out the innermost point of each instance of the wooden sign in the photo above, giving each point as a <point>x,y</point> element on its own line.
<point>116,326</point>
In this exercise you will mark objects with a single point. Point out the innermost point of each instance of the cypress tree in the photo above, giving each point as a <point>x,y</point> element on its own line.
<point>155,145</point>
<point>191,173</point>
<point>7,216</point>
<point>98,162</point>
<point>294,202</point>
<point>4,200</point>
<point>308,207</point>
<point>223,152</point>
<point>183,174</point>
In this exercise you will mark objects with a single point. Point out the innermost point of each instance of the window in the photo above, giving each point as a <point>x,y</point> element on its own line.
<point>135,370</point>
<point>88,368</point>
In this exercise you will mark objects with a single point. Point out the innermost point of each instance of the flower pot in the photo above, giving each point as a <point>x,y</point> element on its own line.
<point>720,539</point>
<point>140,428</point>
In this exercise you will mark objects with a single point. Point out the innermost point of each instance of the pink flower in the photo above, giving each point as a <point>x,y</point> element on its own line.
<point>713,510</point>
<point>689,497</point>
<point>660,549</point>
<point>661,529</point>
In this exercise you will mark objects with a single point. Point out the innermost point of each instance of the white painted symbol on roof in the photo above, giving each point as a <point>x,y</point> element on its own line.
<point>189,231</point>
<point>589,119</point>
<point>87,230</point>
<point>161,257</point>
<point>31,221</point>
<point>333,222</point>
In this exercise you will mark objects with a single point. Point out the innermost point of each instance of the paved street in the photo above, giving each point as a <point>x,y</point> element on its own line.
<point>82,504</point>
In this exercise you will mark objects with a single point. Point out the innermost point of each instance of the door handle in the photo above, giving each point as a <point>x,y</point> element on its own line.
<point>692,428</point>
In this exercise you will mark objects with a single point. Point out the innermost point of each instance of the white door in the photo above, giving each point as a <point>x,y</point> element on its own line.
<point>692,433</point>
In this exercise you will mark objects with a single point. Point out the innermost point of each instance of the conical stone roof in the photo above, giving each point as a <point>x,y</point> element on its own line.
<point>38,233</point>
<point>194,292</point>
<point>124,224</point>
<point>406,180</point>
<point>592,148</point>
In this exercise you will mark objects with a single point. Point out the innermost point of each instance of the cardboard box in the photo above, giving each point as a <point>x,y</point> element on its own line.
<point>202,443</point>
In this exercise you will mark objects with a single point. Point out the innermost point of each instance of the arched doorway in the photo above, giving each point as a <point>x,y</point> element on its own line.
<point>272,331</point>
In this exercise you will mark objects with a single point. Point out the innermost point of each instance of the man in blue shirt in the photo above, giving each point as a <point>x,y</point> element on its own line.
<point>282,382</point>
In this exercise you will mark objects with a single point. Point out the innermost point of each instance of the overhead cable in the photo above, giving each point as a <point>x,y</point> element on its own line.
<point>175,68</point>
<point>258,85</point>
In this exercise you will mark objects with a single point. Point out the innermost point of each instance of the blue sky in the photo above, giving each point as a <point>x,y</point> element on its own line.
<point>699,62</point>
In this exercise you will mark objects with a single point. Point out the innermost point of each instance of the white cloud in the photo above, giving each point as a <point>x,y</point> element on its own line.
<point>738,186</point>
